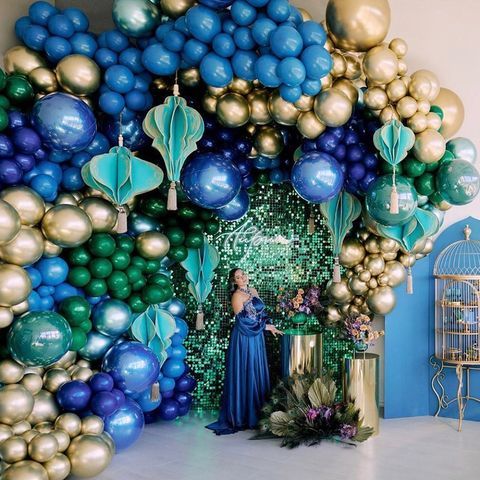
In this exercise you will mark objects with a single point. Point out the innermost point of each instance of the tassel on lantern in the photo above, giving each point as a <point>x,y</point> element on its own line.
<point>121,226</point>
<point>336,272</point>
<point>409,281</point>
<point>172,197</point>
<point>200,325</point>
<point>155,392</point>
<point>394,201</point>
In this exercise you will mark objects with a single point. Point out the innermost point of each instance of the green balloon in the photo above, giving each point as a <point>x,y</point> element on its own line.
<point>79,256</point>
<point>122,293</point>
<point>79,339</point>
<point>155,207</point>
<point>152,266</point>
<point>196,226</point>
<point>120,259</point>
<point>178,254</point>
<point>153,294</point>
<point>75,310</point>
<point>412,167</point>
<point>387,168</point>
<point>194,240</point>
<point>436,198</point>
<point>134,274</point>
<point>96,287</point>
<point>432,167</point>
<point>136,303</point>
<point>117,280</point>
<point>205,215</point>
<point>187,212</point>
<point>378,200</point>
<point>160,280</point>
<point>86,326</point>
<point>4,102</point>
<point>79,276</point>
<point>263,178</point>
<point>125,243</point>
<point>176,236</point>
<point>38,339</point>
<point>100,267</point>
<point>3,79</point>
<point>18,89</point>
<point>101,245</point>
<point>458,182</point>
<point>139,284</point>
<point>3,119</point>
<point>436,109</point>
<point>253,190</point>
<point>139,262</point>
<point>300,317</point>
<point>425,185</point>
<point>212,226</point>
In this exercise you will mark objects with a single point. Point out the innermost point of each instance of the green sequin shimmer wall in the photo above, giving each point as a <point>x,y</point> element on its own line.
<point>272,244</point>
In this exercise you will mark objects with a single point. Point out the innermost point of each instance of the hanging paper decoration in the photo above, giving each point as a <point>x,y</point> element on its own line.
<point>340,212</point>
<point>175,129</point>
<point>393,141</point>
<point>422,225</point>
<point>120,175</point>
<point>200,266</point>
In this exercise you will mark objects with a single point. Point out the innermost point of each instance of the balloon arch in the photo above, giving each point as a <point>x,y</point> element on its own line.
<point>223,98</point>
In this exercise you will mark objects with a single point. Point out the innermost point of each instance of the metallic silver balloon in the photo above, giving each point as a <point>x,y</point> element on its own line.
<point>135,18</point>
<point>112,317</point>
<point>462,148</point>
<point>96,346</point>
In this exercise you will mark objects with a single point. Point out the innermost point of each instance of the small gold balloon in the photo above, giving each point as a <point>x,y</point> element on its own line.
<point>380,65</point>
<point>329,46</point>
<point>28,204</point>
<point>106,437</point>
<point>353,310</point>
<point>190,77</point>
<point>43,80</point>
<point>309,125</point>
<point>72,369</point>
<point>418,122</point>
<point>381,300</point>
<point>66,199</point>
<point>20,308</point>
<point>407,260</point>
<point>9,223</point>
<point>63,439</point>
<point>16,404</point>
<point>372,245</point>
<point>348,274</point>
<point>333,315</point>
<point>423,85</point>
<point>423,106</point>
<point>15,285</point>
<point>339,292</point>
<point>25,249</point>
<point>388,245</point>
<point>32,382</point>
<point>175,8</point>
<point>358,300</point>
<point>396,273</point>
<point>333,108</point>
<point>354,67</point>
<point>389,256</point>
<point>353,252</point>
<point>43,447</point>
<point>217,92</point>
<point>22,60</point>
<point>382,280</point>
<point>14,449</point>
<point>51,250</point>
<point>36,370</point>
<point>55,378</point>
<point>89,455</point>
<point>102,214</point>
<point>407,107</point>
<point>402,67</point>
<point>365,276</point>
<point>388,114</point>
<point>25,470</point>
<point>304,103</point>
<point>428,247</point>
<point>209,104</point>
<point>152,245</point>
<point>67,226</point>
<point>69,422</point>
<point>375,98</point>
<point>44,427</point>
<point>45,408</point>
<point>396,90</point>
<point>358,26</point>
<point>66,361</point>
<point>348,88</point>
<point>5,432</point>
<point>10,371</point>
<point>399,47</point>
<point>83,374</point>
<point>268,142</point>
<point>233,110</point>
<point>162,83</point>
<point>240,86</point>
<point>58,467</point>
<point>433,121</point>
<point>453,111</point>
<point>83,363</point>
<point>258,102</point>
<point>429,146</point>
<point>92,424</point>
<point>29,435</point>
<point>283,112</point>
<point>357,286</point>
<point>374,263</point>
<point>20,428</point>
<point>339,65</point>
<point>326,82</point>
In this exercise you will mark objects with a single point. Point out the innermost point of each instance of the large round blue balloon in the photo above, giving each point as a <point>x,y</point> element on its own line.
<point>317,177</point>
<point>236,208</point>
<point>203,23</point>
<point>317,61</point>
<point>133,366</point>
<point>160,61</point>
<point>64,122</point>
<point>216,71</point>
<point>125,425</point>
<point>104,404</point>
<point>54,271</point>
<point>285,41</point>
<point>74,396</point>
<point>173,368</point>
<point>211,181</point>
<point>266,71</point>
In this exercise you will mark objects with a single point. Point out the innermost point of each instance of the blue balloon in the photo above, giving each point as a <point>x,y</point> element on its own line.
<point>105,57</point>
<point>166,384</point>
<point>116,41</point>
<point>112,103</point>
<point>101,382</point>
<point>125,425</point>
<point>57,48</point>
<point>54,271</point>
<point>216,4</point>
<point>96,347</point>
<point>74,396</point>
<point>229,26</point>
<point>17,119</point>
<point>61,25</point>
<point>290,94</point>
<point>35,276</point>
<point>317,177</point>
<point>291,71</point>
<point>317,61</point>
<point>78,18</point>
<point>262,28</point>
<point>132,59</point>
<point>178,352</point>
<point>173,368</point>
<point>72,179</point>
<point>35,36</point>
<point>34,302</point>
<point>50,168</point>
<point>216,71</point>
<point>134,137</point>
<point>278,10</point>
<point>181,25</point>
<point>168,394</point>
<point>63,291</point>
<point>357,171</point>
<point>103,404</point>
<point>120,79</point>
<point>145,401</point>
<point>181,327</point>
<point>312,33</point>
<point>295,16</point>
<point>112,317</point>
<point>163,29</point>
<point>236,208</point>
<point>266,71</point>
<point>243,13</point>
<point>168,409</point>
<point>243,63</point>
<point>174,41</point>
<point>84,44</point>
<point>285,41</point>
<point>160,61</point>
<point>177,308</point>
<point>194,51</point>
<point>185,383</point>
<point>184,399</point>
<point>210,181</point>
<point>223,45</point>
<point>64,122</point>
<point>40,12</point>
<point>203,23</point>
<point>6,147</point>
<point>136,100</point>
<point>45,186</point>
<point>99,144</point>
<point>21,25</point>
<point>133,366</point>
<point>311,87</point>
<point>26,140</point>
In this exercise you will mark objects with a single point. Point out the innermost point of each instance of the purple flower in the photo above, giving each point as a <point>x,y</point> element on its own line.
<point>327,413</point>
<point>347,431</point>
<point>312,414</point>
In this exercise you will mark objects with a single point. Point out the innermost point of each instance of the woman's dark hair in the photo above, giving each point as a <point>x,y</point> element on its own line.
<point>232,286</point>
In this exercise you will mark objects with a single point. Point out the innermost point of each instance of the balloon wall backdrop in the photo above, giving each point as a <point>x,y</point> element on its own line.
<point>137,164</point>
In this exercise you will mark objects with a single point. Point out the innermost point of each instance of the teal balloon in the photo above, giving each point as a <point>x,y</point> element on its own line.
<point>38,339</point>
<point>440,214</point>
<point>462,148</point>
<point>138,223</point>
<point>458,182</point>
<point>377,200</point>
<point>96,347</point>
<point>112,317</point>
<point>135,18</point>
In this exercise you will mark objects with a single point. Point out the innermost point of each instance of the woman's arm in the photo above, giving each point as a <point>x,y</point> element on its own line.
<point>237,303</point>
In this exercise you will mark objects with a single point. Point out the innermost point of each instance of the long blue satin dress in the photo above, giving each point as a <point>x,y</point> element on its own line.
<point>247,380</point>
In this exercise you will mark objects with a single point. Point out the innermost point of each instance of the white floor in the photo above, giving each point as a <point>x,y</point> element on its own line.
<point>407,449</point>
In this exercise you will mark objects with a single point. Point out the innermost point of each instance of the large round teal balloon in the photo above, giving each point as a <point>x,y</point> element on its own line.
<point>38,339</point>
<point>458,182</point>
<point>378,200</point>
<point>135,18</point>
<point>462,148</point>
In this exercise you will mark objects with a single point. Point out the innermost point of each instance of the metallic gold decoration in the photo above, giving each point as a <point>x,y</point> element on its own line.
<point>258,101</point>
<point>43,80</point>
<point>217,92</point>
<point>309,125</point>
<point>372,244</point>
<point>108,441</point>
<point>78,74</point>
<point>54,379</point>
<point>396,90</point>
<point>333,315</point>
<point>5,432</point>
<point>10,371</point>
<point>22,60</point>
<point>354,67</point>
<point>45,408</point>
<point>209,104</point>
<point>28,204</point>
<point>25,249</point>
<point>44,427</point>
<point>305,103</point>
<point>333,108</point>
<point>407,107</point>
<point>374,263</point>
<point>6,317</point>
<point>70,423</point>
<point>357,286</point>
<point>388,114</point>
<point>380,65</point>
<point>396,273</point>
<point>66,361</point>
<point>15,285</point>
<point>21,427</point>
<point>233,110</point>
<point>305,15</point>
<point>453,112</point>
<point>32,382</point>
<point>376,98</point>
<point>92,424</point>
<point>83,374</point>
<point>326,82</point>
<point>381,300</point>
<point>66,199</point>
<point>240,86</point>
<point>399,47</point>
<point>402,67</point>
<point>16,403</point>
<point>175,8</point>
<point>301,354</point>
<point>418,122</point>
<point>51,250</point>
<point>63,439</point>
<point>339,292</point>
<point>162,83</point>
<point>429,146</point>
<point>89,455</point>
<point>353,252</point>
<point>424,85</point>
<point>152,245</point>
<point>14,449</point>
<point>189,77</point>
<point>339,65</point>
<point>9,223</point>
<point>268,141</point>
<point>283,112</point>
<point>25,470</point>
<point>433,121</point>
<point>58,468</point>
<point>348,88</point>
<point>20,308</point>
<point>102,214</point>
<point>43,447</point>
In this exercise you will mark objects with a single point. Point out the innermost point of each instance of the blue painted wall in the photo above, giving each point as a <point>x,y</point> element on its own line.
<point>409,342</point>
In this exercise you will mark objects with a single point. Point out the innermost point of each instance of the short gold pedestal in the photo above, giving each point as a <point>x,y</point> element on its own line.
<point>301,353</point>
<point>360,385</point>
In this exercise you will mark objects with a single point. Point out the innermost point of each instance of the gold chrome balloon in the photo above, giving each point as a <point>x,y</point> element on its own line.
<point>396,90</point>
<point>353,252</point>
<point>175,8</point>
<point>381,300</point>
<point>44,427</point>
<point>152,245</point>
<point>32,382</point>
<point>15,285</point>
<point>240,86</point>
<point>358,26</point>
<point>29,435</point>
<point>43,447</point>
<point>66,199</point>
<point>63,439</point>
<point>22,60</point>
<point>92,424</point>
<point>45,408</point>
<point>388,114</point>
<point>380,65</point>
<point>43,80</point>
<point>258,101</point>
<point>399,47</point>
<point>83,374</point>
<point>233,110</point>
<point>333,108</point>
<point>10,371</point>
<point>372,245</point>
<point>9,223</point>
<point>16,404</point>
<point>66,361</point>
<point>396,273</point>
<point>339,292</point>
<point>162,83</point>
<point>89,455</point>
<point>433,121</point>
<point>357,286</point>
<point>326,82</point>
<point>58,467</point>
<point>67,226</point>
<point>429,146</point>
<point>424,85</point>
<point>305,15</point>
<point>83,363</point>
<point>5,432</point>
<point>388,245</point>
<point>376,98</point>
<point>339,65</point>
<point>374,263</point>
<point>305,103</point>
<point>348,88</point>
<point>28,204</point>
<point>25,249</point>
<point>189,77</point>
<point>25,470</point>
<point>209,104</point>
<point>418,122</point>
<point>54,379</point>
<point>14,449</point>
<point>268,142</point>
<point>283,112</point>
<point>333,315</point>
<point>69,422</point>
<point>51,250</point>
<point>453,111</point>
<point>309,125</point>
<point>407,107</point>
<point>354,67</point>
<point>102,214</point>
<point>217,92</point>
<point>20,428</point>
<point>407,260</point>
<point>108,441</point>
<point>20,308</point>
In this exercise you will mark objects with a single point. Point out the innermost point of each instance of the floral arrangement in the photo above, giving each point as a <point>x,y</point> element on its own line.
<point>358,328</point>
<point>299,302</point>
<point>302,410</point>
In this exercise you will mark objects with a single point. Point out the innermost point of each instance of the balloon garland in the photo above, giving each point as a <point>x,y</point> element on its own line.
<point>282,99</point>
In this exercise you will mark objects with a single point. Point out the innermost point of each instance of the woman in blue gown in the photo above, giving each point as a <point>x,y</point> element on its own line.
<point>247,380</point>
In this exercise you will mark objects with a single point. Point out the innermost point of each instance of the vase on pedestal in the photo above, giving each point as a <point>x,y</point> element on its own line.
<point>301,352</point>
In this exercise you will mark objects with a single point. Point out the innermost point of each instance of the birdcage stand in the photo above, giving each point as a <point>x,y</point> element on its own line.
<point>463,395</point>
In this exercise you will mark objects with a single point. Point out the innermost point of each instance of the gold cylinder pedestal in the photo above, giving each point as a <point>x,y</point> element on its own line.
<point>360,385</point>
<point>301,353</point>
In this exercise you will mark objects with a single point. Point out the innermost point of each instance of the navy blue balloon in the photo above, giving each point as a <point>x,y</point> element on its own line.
<point>183,399</point>
<point>134,137</point>
<point>74,396</point>
<point>210,181</point>
<point>6,147</point>
<point>168,409</point>
<point>125,425</point>
<point>173,368</point>
<point>160,61</point>
<point>183,410</point>
<point>17,119</point>
<point>101,382</point>
<point>64,122</point>
<point>120,396</point>
<point>99,144</point>
<point>317,177</point>
<point>103,404</point>
<point>327,142</point>
<point>236,208</point>
<point>185,383</point>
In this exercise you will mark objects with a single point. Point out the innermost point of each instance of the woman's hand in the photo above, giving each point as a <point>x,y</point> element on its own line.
<point>273,329</point>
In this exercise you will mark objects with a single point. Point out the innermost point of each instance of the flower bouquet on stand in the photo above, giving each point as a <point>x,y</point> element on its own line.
<point>359,329</point>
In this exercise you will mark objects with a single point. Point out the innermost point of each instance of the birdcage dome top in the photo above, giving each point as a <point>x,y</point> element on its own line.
<point>461,258</point>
